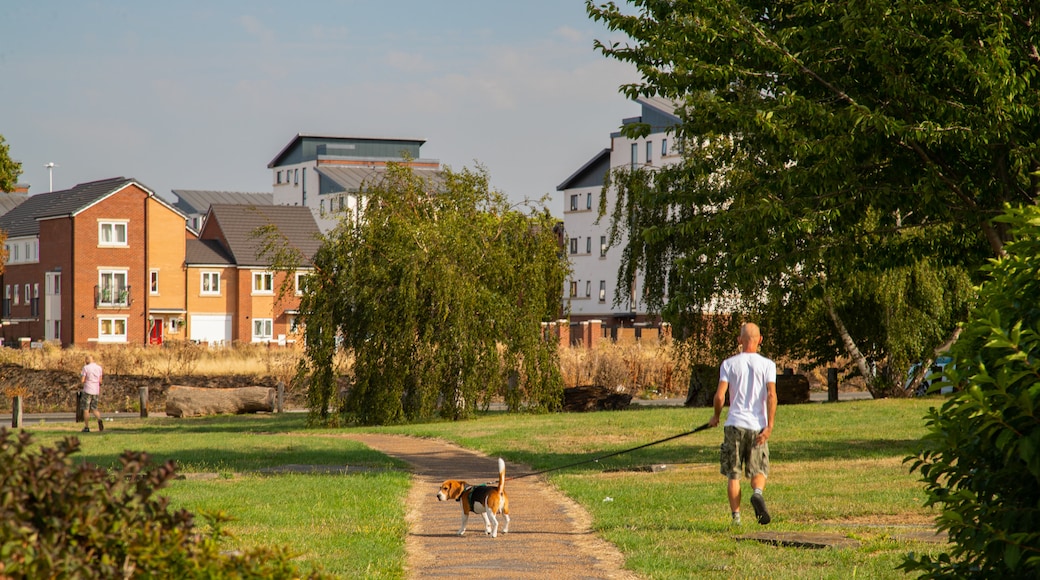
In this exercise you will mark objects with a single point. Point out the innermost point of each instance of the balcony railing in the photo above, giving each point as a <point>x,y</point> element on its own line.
<point>111,297</point>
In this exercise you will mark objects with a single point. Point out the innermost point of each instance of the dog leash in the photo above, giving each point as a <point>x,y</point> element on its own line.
<point>684,434</point>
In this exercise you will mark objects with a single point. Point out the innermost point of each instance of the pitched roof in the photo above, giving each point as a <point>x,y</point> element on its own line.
<point>206,253</point>
<point>192,201</point>
<point>23,220</point>
<point>9,201</point>
<point>239,226</point>
<point>590,174</point>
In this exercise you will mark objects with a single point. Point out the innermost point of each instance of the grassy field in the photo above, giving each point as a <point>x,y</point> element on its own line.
<point>836,468</point>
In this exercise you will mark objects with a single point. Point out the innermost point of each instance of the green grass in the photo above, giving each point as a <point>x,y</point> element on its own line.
<point>836,468</point>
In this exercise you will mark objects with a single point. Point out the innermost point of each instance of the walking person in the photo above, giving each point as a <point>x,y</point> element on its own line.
<point>750,381</point>
<point>91,376</point>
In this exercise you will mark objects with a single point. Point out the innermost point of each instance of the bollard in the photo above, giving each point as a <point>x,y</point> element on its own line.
<point>281,396</point>
<point>79,407</point>
<point>142,393</point>
<point>832,385</point>
<point>16,412</point>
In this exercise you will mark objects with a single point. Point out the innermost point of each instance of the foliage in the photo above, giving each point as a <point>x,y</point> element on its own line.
<point>981,463</point>
<point>439,291</point>
<point>9,169</point>
<point>60,520</point>
<point>844,158</point>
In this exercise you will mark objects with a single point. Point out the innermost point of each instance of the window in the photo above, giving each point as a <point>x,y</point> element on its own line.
<point>321,211</point>
<point>175,325</point>
<point>56,280</point>
<point>112,329</point>
<point>278,179</point>
<point>294,325</point>
<point>649,151</point>
<point>112,233</point>
<point>574,202</point>
<point>16,294</point>
<point>588,200</point>
<point>342,202</point>
<point>664,147</point>
<point>574,245</point>
<point>602,290</point>
<point>296,176</point>
<point>14,254</point>
<point>112,288</point>
<point>574,288</point>
<point>635,154</point>
<point>153,282</point>
<point>588,245</point>
<point>35,309</point>
<point>588,288</point>
<point>28,293</point>
<point>602,246</point>
<point>263,329</point>
<point>301,282</point>
<point>263,283</point>
<point>210,283</point>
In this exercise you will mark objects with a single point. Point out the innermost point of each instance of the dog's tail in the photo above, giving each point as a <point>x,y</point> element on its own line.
<point>501,475</point>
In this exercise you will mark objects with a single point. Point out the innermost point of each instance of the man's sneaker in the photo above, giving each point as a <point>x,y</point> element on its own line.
<point>100,425</point>
<point>736,518</point>
<point>86,430</point>
<point>759,503</point>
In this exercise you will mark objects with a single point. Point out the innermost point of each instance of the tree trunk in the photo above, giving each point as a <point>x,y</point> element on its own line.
<point>850,345</point>
<point>184,401</point>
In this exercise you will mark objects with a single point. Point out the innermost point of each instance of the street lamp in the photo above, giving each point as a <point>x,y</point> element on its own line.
<point>50,173</point>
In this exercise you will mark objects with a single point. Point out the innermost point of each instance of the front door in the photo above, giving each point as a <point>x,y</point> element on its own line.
<point>155,335</point>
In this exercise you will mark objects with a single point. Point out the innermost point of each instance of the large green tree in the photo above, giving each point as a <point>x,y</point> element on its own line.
<point>438,291</point>
<point>843,163</point>
<point>9,170</point>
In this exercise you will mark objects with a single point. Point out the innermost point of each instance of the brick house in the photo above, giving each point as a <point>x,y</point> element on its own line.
<point>93,264</point>
<point>232,292</point>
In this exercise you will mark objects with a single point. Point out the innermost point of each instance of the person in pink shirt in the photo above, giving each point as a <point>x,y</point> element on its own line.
<point>91,376</point>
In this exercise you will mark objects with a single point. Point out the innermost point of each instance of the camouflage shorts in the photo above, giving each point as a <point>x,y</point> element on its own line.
<point>88,402</point>
<point>739,451</point>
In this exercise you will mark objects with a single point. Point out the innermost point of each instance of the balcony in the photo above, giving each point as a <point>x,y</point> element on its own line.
<point>111,297</point>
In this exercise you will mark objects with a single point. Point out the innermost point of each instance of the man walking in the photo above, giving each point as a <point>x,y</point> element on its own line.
<point>750,381</point>
<point>88,402</point>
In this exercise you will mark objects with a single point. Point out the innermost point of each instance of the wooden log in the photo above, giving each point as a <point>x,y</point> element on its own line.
<point>184,401</point>
<point>594,398</point>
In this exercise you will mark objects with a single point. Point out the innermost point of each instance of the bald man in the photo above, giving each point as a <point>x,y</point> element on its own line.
<point>750,381</point>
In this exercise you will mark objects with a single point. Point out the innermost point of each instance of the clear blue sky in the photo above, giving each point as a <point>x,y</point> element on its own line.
<point>203,94</point>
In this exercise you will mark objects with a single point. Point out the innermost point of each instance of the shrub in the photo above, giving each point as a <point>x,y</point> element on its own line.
<point>58,520</point>
<point>981,463</point>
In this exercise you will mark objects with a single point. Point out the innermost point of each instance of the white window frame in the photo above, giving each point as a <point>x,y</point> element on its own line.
<point>114,299</point>
<point>300,282</point>
<point>114,323</point>
<point>153,282</point>
<point>265,327</point>
<point>28,293</point>
<point>263,283</point>
<point>602,290</point>
<point>115,229</point>
<point>210,280</point>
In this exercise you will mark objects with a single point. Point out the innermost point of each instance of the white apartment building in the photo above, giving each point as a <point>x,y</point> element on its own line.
<point>325,173</point>
<point>590,292</point>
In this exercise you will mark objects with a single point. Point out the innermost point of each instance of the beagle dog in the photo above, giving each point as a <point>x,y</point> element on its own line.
<point>486,500</point>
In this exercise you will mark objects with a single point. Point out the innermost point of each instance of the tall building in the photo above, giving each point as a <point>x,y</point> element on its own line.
<point>591,293</point>
<point>325,173</point>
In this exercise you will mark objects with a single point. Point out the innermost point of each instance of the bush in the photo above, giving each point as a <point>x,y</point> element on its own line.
<point>981,463</point>
<point>63,521</point>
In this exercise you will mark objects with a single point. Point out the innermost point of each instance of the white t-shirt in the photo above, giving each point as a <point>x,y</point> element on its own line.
<point>748,375</point>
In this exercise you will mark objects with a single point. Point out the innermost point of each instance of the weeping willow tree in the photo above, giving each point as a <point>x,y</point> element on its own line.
<point>439,291</point>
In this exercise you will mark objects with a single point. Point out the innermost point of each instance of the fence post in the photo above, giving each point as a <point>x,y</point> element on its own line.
<point>16,412</point>
<point>79,407</point>
<point>142,393</point>
<point>832,385</point>
<point>281,396</point>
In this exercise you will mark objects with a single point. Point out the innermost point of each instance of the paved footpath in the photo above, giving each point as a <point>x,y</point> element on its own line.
<point>549,537</point>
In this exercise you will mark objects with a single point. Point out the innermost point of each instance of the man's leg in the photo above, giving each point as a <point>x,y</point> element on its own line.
<point>733,491</point>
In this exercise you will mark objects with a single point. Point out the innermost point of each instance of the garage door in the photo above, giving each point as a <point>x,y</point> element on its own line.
<point>211,328</point>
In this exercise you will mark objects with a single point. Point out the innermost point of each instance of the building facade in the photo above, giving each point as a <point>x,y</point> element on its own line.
<point>592,292</point>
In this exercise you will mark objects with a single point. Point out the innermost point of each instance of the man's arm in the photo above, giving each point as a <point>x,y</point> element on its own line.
<point>720,400</point>
<point>770,414</point>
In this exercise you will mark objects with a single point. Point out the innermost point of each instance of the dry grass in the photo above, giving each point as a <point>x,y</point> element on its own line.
<point>645,369</point>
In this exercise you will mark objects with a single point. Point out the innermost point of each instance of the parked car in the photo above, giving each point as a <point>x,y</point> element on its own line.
<point>935,376</point>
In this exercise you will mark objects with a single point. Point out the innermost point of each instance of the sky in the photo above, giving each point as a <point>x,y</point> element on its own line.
<point>204,94</point>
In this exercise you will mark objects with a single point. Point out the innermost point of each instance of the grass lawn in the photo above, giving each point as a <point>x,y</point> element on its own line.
<point>836,468</point>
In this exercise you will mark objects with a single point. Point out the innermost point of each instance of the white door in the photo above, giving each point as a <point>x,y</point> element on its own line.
<point>211,328</point>
<point>52,307</point>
